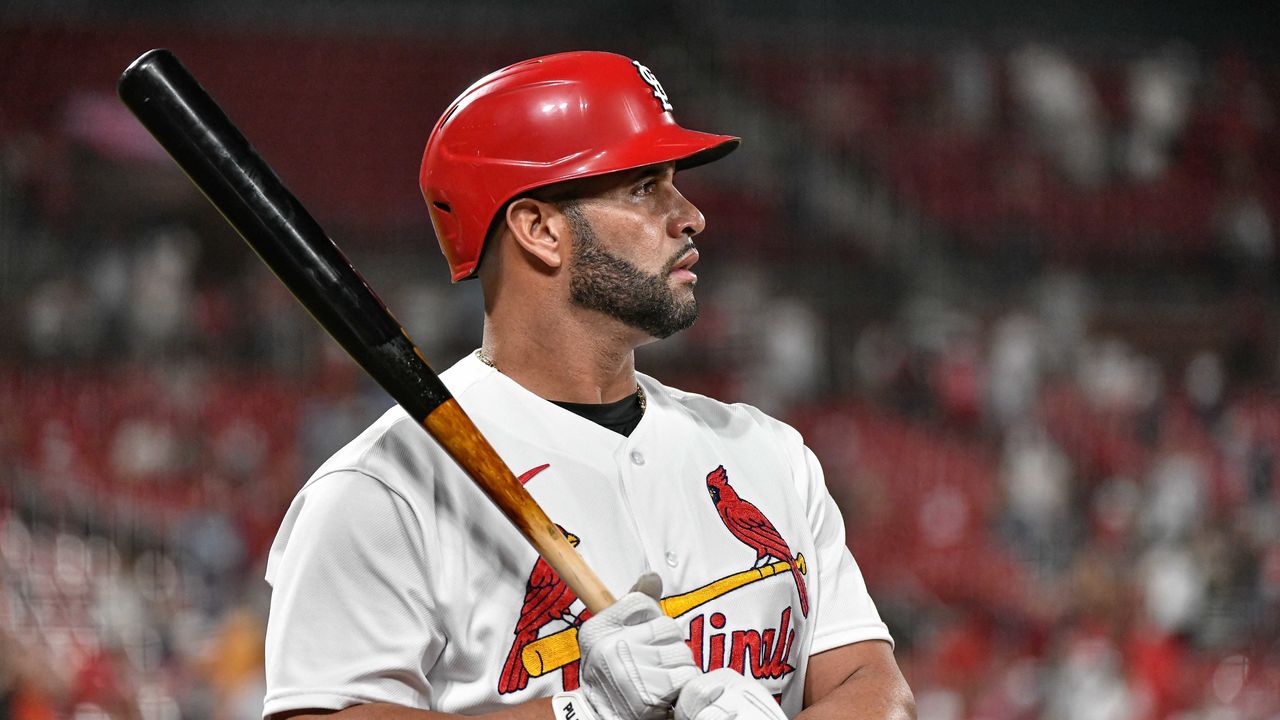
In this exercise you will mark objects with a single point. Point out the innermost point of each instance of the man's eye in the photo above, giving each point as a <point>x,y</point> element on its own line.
<point>646,187</point>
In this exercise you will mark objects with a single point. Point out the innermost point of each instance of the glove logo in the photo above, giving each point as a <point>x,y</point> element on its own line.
<point>647,75</point>
<point>747,523</point>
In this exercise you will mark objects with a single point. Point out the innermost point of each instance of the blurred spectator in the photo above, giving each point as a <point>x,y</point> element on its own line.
<point>1113,377</point>
<point>1063,111</point>
<point>60,320</point>
<point>877,358</point>
<point>1087,683</point>
<point>1246,235</point>
<point>144,450</point>
<point>1205,383</point>
<point>1036,477</point>
<point>1159,103</point>
<point>959,382</point>
<point>1174,587</point>
<point>213,545</point>
<point>1176,501</point>
<point>232,665</point>
<point>1114,510</point>
<point>342,402</point>
<point>1014,372</point>
<point>1064,307</point>
<point>790,360</point>
<point>162,294</point>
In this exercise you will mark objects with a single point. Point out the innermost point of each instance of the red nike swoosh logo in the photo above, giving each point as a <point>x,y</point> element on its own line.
<point>528,474</point>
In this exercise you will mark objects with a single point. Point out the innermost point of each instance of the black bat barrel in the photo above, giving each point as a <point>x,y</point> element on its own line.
<point>200,137</point>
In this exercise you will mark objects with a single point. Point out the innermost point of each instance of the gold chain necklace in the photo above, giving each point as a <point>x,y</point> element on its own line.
<point>483,357</point>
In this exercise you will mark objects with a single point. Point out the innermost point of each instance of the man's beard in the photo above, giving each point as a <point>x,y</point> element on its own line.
<point>609,284</point>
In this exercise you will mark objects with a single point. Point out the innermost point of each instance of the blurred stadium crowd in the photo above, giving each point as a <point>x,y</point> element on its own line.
<point>1021,298</point>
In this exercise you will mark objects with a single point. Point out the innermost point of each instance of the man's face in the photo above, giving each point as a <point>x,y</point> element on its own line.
<point>633,250</point>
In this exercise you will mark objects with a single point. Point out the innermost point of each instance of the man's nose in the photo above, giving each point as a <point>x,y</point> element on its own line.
<point>687,220</point>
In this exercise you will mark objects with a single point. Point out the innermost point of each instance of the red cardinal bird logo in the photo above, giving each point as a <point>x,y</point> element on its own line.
<point>749,525</point>
<point>547,598</point>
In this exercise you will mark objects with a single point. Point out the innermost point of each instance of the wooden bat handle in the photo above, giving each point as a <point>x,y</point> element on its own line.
<point>209,148</point>
<point>451,427</point>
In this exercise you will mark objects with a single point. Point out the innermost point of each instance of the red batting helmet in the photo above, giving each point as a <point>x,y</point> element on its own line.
<point>544,121</point>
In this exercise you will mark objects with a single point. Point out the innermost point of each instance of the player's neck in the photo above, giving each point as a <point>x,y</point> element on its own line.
<point>559,359</point>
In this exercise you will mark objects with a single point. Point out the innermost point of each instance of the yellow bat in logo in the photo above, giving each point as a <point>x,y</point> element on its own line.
<point>559,649</point>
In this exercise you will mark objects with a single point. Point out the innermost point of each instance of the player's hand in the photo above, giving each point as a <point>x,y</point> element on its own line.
<point>634,660</point>
<point>726,695</point>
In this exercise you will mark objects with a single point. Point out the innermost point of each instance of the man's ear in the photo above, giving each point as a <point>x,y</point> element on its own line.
<point>541,229</point>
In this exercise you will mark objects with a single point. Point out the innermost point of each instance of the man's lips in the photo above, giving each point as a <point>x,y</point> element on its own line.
<point>686,262</point>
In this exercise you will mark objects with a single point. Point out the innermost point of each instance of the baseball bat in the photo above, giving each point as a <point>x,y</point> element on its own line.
<point>213,153</point>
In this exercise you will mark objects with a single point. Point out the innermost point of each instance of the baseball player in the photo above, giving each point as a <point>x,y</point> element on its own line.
<point>399,590</point>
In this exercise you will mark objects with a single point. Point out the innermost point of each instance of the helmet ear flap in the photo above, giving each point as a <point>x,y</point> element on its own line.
<point>446,225</point>
<point>542,122</point>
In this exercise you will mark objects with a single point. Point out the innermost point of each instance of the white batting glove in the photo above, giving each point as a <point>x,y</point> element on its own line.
<point>726,695</point>
<point>634,661</point>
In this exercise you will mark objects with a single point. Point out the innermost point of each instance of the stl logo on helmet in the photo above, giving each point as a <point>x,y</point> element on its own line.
<point>647,75</point>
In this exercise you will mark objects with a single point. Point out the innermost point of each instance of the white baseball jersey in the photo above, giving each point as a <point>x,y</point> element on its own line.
<point>394,579</point>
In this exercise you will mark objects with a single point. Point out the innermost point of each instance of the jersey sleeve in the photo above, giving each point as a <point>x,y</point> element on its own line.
<point>845,611</point>
<point>350,620</point>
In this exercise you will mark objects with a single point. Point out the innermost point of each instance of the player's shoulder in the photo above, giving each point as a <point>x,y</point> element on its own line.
<point>716,414</point>
<point>388,436</point>
<point>394,447</point>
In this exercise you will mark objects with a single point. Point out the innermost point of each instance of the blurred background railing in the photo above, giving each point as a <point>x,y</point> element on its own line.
<point>1012,271</point>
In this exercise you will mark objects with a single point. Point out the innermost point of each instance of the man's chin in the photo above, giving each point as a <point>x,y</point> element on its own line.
<point>683,295</point>
<point>682,320</point>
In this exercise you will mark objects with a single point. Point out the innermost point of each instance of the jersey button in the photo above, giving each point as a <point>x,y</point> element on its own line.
<point>672,559</point>
<point>637,458</point>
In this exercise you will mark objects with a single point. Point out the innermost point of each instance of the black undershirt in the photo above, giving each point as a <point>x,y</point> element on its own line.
<point>621,417</point>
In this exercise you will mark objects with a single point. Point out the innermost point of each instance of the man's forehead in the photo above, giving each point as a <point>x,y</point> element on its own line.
<point>600,184</point>
<point>622,177</point>
<point>663,168</point>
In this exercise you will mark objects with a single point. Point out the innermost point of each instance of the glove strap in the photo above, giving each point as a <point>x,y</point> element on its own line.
<point>571,706</point>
